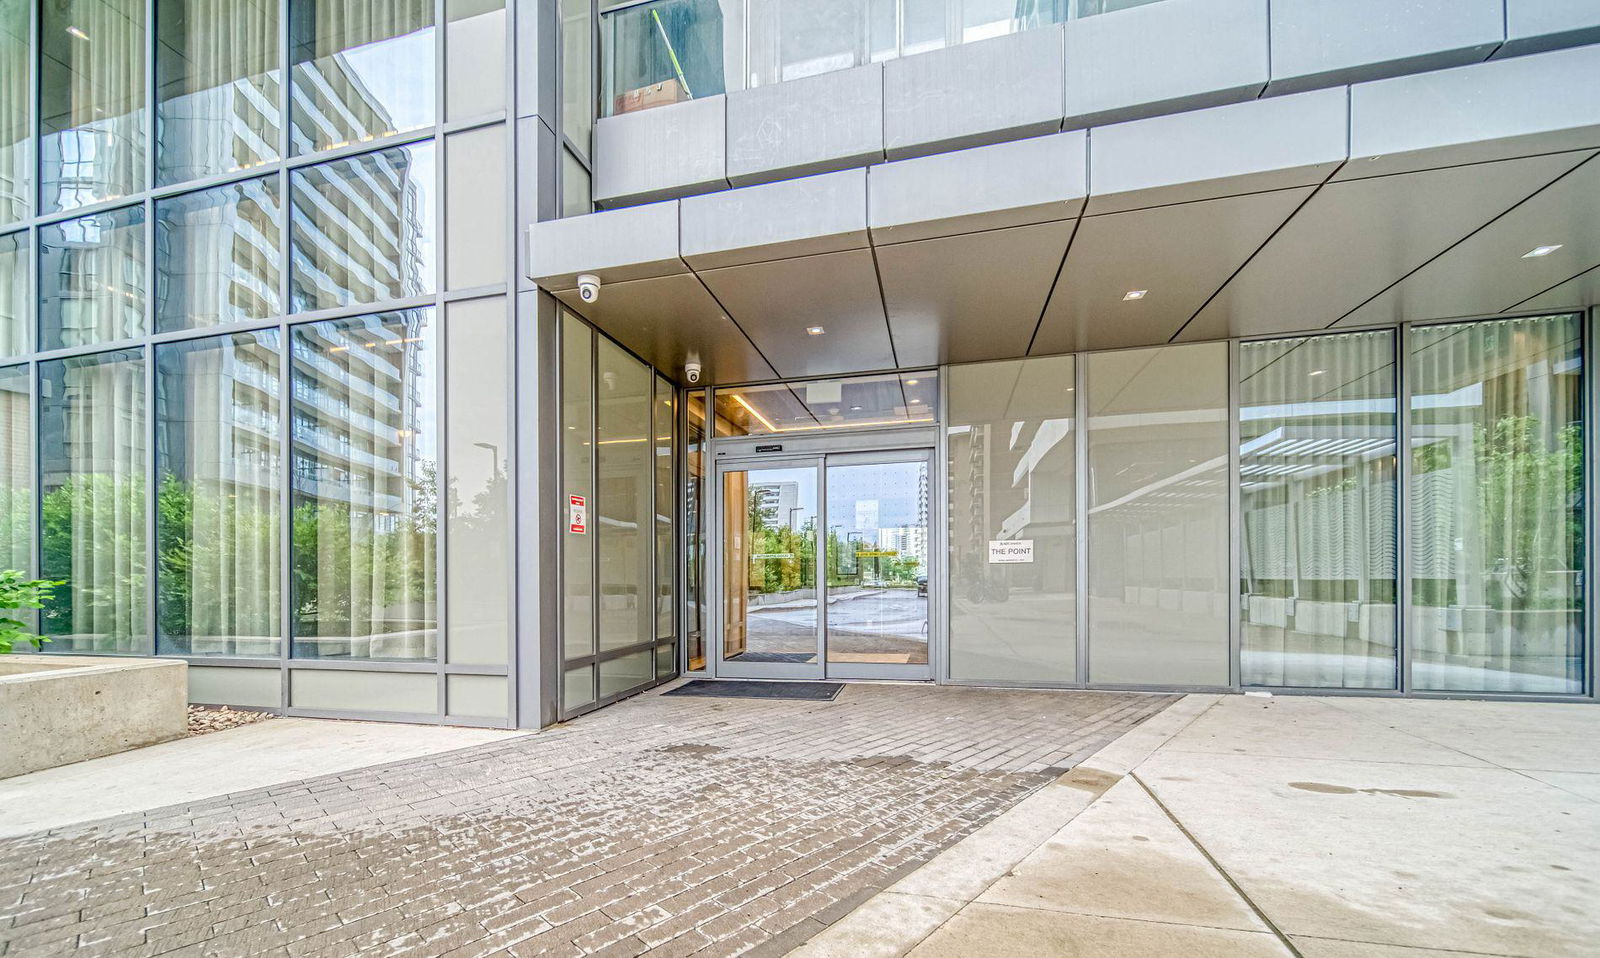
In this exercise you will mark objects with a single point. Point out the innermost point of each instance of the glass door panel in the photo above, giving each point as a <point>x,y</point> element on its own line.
<point>877,549</point>
<point>771,627</point>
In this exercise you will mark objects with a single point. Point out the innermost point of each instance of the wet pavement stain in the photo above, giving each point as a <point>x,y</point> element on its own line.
<point>1323,788</point>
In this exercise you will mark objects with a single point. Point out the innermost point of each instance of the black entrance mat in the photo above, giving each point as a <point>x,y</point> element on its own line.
<point>726,689</point>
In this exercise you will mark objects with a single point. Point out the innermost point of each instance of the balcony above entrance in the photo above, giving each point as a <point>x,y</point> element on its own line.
<point>1470,191</point>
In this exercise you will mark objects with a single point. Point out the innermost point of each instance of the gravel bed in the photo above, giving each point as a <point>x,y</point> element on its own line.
<point>217,718</point>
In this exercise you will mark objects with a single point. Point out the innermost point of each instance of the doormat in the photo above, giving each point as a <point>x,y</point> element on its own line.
<point>726,689</point>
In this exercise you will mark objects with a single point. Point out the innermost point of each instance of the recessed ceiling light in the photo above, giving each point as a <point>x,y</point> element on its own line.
<point>1538,251</point>
<point>78,33</point>
<point>815,330</point>
<point>912,382</point>
<point>915,401</point>
<point>855,408</point>
<point>1134,294</point>
<point>1317,372</point>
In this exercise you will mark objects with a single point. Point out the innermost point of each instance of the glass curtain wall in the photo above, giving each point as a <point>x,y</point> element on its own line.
<point>92,468</point>
<point>1012,466</point>
<point>16,113</point>
<point>220,475</point>
<point>16,470</point>
<point>218,521</point>
<point>619,455</point>
<point>1158,516</point>
<point>1317,490</point>
<point>695,464</point>
<point>1497,546</point>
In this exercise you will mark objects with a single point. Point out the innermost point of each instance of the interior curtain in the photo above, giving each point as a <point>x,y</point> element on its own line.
<point>15,127</point>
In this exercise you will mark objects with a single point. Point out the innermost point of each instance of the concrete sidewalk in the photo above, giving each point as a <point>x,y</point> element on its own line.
<point>1243,826</point>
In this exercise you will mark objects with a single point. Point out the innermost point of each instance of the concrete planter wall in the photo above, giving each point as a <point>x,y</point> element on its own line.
<point>57,709</point>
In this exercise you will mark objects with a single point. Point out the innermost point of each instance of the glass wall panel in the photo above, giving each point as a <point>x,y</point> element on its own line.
<point>982,19</point>
<point>14,312</point>
<point>92,449</point>
<point>92,279</point>
<point>16,470</point>
<point>622,507</point>
<point>217,256</point>
<point>362,69</point>
<point>626,672</point>
<point>91,101</point>
<point>826,405</point>
<point>364,426</point>
<point>694,531</point>
<point>478,496</point>
<point>217,87</point>
<point>577,687</point>
<point>16,114</point>
<point>475,58</point>
<point>672,50</point>
<point>793,39</point>
<point>1317,496</point>
<point>1497,522</point>
<point>1013,527</point>
<point>576,187</point>
<point>577,69</point>
<point>876,586</point>
<point>218,569</point>
<point>577,484</point>
<point>476,229</point>
<point>666,411</point>
<point>362,229</point>
<point>1158,515</point>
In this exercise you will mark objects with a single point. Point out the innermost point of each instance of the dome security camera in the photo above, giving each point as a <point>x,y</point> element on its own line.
<point>691,372</point>
<point>589,287</point>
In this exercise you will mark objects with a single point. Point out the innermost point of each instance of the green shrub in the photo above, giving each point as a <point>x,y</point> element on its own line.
<point>19,592</point>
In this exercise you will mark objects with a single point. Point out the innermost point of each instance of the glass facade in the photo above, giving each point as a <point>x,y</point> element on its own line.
<point>668,51</point>
<point>250,413</point>
<point>619,461</point>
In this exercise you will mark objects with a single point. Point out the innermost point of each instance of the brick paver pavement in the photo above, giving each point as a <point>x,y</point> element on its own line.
<point>670,825</point>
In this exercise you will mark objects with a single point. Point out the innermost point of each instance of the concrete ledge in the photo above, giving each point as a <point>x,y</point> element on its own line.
<point>59,709</point>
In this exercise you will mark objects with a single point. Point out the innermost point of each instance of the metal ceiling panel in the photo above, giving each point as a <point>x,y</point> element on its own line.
<point>1271,144</point>
<point>667,319</point>
<point>972,297</point>
<point>622,245</point>
<point>1579,291</point>
<point>777,302</point>
<point>1355,237</point>
<point>1490,271</point>
<point>1179,255</point>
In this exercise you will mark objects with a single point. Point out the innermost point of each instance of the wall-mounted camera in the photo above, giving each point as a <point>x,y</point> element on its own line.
<point>589,287</point>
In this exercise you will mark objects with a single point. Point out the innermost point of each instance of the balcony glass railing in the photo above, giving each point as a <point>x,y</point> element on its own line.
<point>656,52</point>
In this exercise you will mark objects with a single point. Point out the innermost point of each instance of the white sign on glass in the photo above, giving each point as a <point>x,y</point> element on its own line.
<point>1010,550</point>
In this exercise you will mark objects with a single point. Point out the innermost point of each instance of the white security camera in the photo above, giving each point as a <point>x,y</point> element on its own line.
<point>588,287</point>
<point>691,372</point>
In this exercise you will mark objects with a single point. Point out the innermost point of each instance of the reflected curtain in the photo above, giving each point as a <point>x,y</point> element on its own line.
<point>16,471</point>
<point>92,90</point>
<point>15,124</point>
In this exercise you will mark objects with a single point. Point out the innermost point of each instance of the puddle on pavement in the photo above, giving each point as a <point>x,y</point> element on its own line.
<point>1323,788</point>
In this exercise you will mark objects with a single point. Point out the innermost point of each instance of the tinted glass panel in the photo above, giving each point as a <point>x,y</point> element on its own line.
<point>14,312</point>
<point>694,533</point>
<point>1497,523</point>
<point>622,514</point>
<point>216,87</point>
<point>666,408</point>
<point>362,69</point>
<point>1317,497</point>
<point>577,486</point>
<point>669,51</point>
<point>860,402</point>
<point>1012,455</point>
<point>363,229</point>
<point>364,426</point>
<point>16,470</point>
<point>92,476</point>
<point>217,255</point>
<point>1158,515</point>
<point>16,119</point>
<point>91,95</point>
<point>218,574</point>
<point>92,279</point>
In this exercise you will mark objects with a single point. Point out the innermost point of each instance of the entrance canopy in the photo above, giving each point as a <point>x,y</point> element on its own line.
<point>1466,192</point>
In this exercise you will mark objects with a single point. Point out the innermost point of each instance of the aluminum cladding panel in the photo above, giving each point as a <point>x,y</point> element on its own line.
<point>661,153</point>
<point>1534,25</point>
<point>975,93</point>
<point>1318,42</point>
<point>1162,57</point>
<point>821,123</point>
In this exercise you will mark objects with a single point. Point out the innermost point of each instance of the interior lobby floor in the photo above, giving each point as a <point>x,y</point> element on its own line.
<point>665,825</point>
<point>1244,826</point>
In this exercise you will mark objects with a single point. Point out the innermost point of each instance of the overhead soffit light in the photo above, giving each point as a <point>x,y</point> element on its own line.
<point>1133,294</point>
<point>1538,251</point>
<point>815,330</point>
